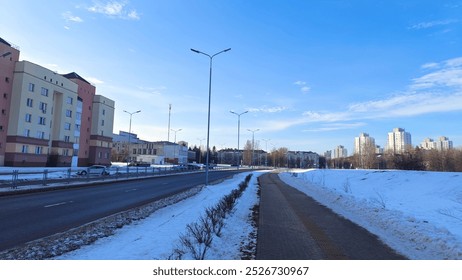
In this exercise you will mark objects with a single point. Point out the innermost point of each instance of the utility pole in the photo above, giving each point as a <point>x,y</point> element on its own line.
<point>169,113</point>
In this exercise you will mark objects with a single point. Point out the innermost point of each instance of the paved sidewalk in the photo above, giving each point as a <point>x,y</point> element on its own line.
<point>293,226</point>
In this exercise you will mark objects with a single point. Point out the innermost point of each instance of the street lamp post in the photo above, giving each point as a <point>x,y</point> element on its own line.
<point>200,148</point>
<point>176,132</point>
<point>266,148</point>
<point>208,118</point>
<point>253,143</point>
<point>238,135</point>
<point>130,132</point>
<point>174,151</point>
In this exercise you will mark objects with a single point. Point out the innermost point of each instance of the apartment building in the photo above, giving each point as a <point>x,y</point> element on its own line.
<point>398,141</point>
<point>48,119</point>
<point>9,54</point>
<point>86,93</point>
<point>443,143</point>
<point>40,128</point>
<point>364,144</point>
<point>340,152</point>
<point>101,130</point>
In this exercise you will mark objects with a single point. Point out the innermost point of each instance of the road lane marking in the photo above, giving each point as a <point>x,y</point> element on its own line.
<point>132,190</point>
<point>57,204</point>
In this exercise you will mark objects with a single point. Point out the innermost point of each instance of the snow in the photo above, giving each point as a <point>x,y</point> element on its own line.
<point>417,213</point>
<point>157,236</point>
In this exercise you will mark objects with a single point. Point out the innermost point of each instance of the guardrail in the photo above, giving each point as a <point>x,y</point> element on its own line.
<point>47,177</point>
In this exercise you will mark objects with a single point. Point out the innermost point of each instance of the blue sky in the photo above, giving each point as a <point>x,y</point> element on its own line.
<point>312,74</point>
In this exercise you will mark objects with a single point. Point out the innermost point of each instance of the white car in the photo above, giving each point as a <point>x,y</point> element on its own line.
<point>94,170</point>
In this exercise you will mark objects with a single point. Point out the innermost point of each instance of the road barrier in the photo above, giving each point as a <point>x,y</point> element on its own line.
<point>47,177</point>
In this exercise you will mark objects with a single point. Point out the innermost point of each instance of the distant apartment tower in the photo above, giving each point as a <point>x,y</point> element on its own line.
<point>9,54</point>
<point>40,128</point>
<point>398,141</point>
<point>364,144</point>
<point>442,144</point>
<point>340,152</point>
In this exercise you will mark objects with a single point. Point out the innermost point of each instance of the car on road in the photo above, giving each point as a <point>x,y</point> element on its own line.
<point>100,170</point>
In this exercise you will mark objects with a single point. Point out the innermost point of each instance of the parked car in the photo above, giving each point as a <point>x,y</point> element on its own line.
<point>94,170</point>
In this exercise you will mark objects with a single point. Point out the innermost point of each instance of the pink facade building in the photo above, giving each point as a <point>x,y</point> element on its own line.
<point>9,55</point>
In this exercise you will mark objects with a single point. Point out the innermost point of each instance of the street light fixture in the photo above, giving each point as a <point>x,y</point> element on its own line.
<point>208,118</point>
<point>6,54</point>
<point>238,135</point>
<point>130,132</point>
<point>253,144</point>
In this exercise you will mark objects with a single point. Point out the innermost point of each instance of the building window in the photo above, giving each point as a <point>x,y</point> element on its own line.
<point>31,87</point>
<point>69,113</point>
<point>7,79</point>
<point>100,154</point>
<point>104,112</point>
<point>5,95</point>
<point>44,91</point>
<point>102,122</point>
<point>65,152</point>
<point>43,107</point>
<point>38,150</point>
<point>30,102</point>
<point>1,127</point>
<point>69,100</point>
<point>42,121</point>
<point>106,155</point>
<point>67,138</point>
<point>26,132</point>
<point>67,126</point>
<point>3,112</point>
<point>25,149</point>
<point>41,134</point>
<point>28,118</point>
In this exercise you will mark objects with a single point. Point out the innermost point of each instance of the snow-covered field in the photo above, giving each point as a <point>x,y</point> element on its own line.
<point>417,213</point>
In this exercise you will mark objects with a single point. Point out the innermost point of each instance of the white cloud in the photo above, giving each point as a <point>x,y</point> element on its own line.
<point>71,18</point>
<point>116,9</point>
<point>133,15</point>
<point>430,24</point>
<point>303,87</point>
<point>265,109</point>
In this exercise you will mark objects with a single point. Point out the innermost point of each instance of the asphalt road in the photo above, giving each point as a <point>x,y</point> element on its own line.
<point>293,226</point>
<point>28,217</point>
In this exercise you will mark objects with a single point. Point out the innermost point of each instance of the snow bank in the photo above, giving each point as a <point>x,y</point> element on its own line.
<point>157,236</point>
